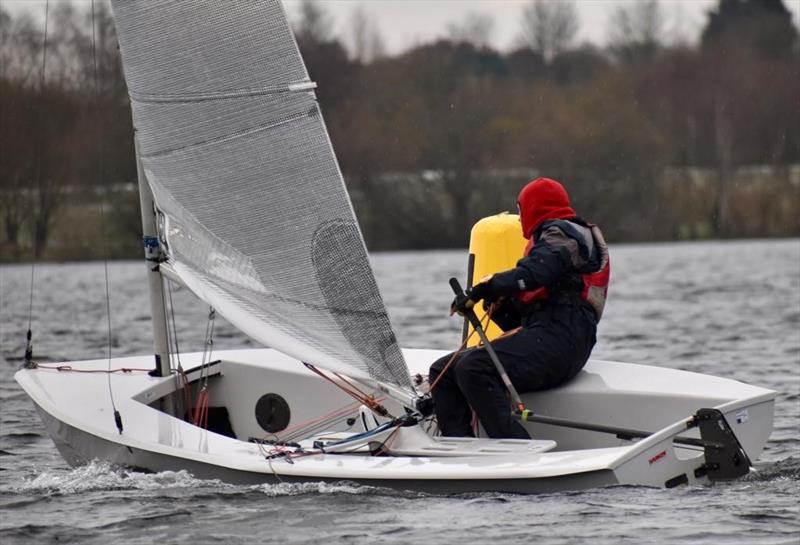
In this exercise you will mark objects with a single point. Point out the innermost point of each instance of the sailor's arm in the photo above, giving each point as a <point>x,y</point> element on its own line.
<point>554,255</point>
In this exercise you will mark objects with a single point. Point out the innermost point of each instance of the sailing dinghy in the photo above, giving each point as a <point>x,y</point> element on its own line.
<point>244,204</point>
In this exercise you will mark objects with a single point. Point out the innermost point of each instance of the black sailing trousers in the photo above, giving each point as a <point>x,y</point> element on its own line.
<point>550,350</point>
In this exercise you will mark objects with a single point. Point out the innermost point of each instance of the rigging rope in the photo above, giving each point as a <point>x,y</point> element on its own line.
<point>208,341</point>
<point>487,317</point>
<point>351,389</point>
<point>281,450</point>
<point>367,399</point>
<point>167,330</point>
<point>388,443</point>
<point>39,153</point>
<point>311,425</point>
<point>182,381</point>
<point>174,335</point>
<point>70,369</point>
<point>200,417</point>
<point>104,227</point>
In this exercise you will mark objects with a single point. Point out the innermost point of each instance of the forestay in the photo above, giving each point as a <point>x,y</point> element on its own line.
<point>254,214</point>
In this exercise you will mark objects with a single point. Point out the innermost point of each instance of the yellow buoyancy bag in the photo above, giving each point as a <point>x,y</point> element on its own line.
<point>495,244</point>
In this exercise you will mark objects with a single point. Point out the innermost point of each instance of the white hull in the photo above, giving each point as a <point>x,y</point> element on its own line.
<point>77,413</point>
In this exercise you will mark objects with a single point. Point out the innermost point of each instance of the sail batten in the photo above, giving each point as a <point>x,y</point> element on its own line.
<point>256,217</point>
<point>222,95</point>
<point>232,136</point>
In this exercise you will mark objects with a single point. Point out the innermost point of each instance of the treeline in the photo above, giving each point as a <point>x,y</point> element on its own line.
<point>655,138</point>
<point>66,138</point>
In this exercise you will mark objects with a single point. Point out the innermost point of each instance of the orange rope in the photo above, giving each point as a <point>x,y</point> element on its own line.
<point>368,400</point>
<point>351,393</point>
<point>487,317</point>
<point>389,440</point>
<point>351,385</point>
<point>201,410</point>
<point>339,412</point>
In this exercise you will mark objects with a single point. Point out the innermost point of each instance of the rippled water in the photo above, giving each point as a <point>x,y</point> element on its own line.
<point>722,308</point>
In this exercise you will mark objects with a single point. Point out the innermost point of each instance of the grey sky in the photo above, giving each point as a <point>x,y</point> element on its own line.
<point>403,23</point>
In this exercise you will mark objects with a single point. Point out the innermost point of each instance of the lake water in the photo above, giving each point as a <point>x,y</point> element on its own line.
<point>723,308</point>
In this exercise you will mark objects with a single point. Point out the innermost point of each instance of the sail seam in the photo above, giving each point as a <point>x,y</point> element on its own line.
<point>235,149</point>
<point>243,303</point>
<point>219,280</point>
<point>274,296</point>
<point>187,98</point>
<point>312,112</point>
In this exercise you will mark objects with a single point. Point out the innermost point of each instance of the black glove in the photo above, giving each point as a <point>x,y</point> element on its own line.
<point>464,303</point>
<point>461,305</point>
<point>482,290</point>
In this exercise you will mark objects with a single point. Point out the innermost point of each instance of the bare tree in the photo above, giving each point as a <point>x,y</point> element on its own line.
<point>314,26</point>
<point>21,51</point>
<point>377,47</point>
<point>474,28</point>
<point>636,32</point>
<point>366,41</point>
<point>549,27</point>
<point>41,96</point>
<point>5,42</point>
<point>20,55</point>
<point>68,46</point>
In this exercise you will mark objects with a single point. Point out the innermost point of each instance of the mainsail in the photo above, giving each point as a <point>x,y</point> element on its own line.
<point>255,217</point>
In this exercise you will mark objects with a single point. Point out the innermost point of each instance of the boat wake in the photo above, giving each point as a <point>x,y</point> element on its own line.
<point>786,469</point>
<point>102,476</point>
<point>300,489</point>
<point>98,475</point>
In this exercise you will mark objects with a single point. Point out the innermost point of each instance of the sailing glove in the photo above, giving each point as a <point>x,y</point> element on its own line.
<point>482,290</point>
<point>461,305</point>
<point>464,303</point>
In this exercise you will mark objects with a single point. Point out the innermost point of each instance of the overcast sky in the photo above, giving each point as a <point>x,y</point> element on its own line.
<point>403,23</point>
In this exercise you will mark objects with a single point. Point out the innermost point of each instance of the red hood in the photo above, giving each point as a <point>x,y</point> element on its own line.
<point>541,200</point>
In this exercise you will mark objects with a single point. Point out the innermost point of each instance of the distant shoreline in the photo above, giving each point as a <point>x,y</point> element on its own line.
<point>464,250</point>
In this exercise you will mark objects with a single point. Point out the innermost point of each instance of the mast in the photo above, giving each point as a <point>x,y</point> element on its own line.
<point>153,256</point>
<point>254,254</point>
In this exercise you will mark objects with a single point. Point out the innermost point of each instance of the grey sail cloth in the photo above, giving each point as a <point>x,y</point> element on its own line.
<point>254,214</point>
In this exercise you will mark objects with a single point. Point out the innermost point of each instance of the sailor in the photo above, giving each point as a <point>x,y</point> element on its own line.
<point>548,305</point>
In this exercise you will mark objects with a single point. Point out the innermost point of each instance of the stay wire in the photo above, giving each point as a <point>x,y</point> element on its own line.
<point>174,326</point>
<point>39,153</point>
<point>169,333</point>
<point>181,381</point>
<point>208,344</point>
<point>103,222</point>
<point>200,417</point>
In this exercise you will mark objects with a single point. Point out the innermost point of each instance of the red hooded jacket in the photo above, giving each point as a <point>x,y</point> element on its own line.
<point>540,200</point>
<point>544,199</point>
